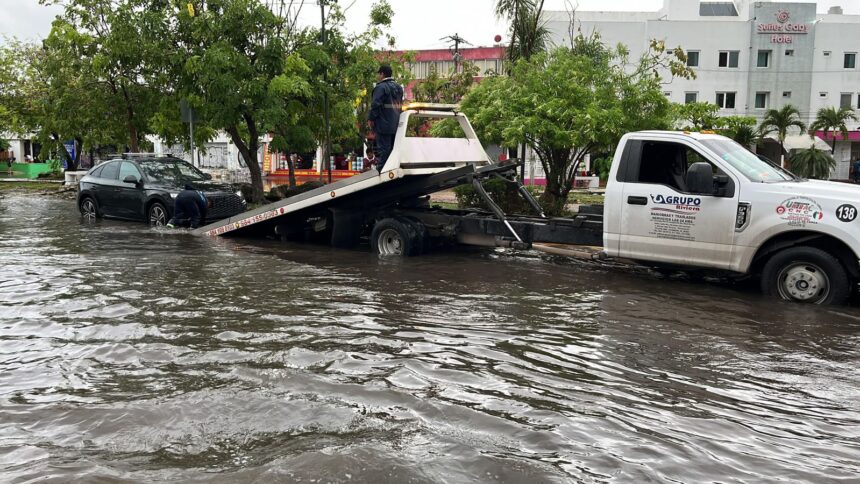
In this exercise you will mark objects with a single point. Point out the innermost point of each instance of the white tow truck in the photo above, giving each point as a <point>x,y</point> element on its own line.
<point>673,199</point>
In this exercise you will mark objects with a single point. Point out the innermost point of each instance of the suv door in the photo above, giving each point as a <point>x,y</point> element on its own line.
<point>663,221</point>
<point>129,196</point>
<point>105,189</point>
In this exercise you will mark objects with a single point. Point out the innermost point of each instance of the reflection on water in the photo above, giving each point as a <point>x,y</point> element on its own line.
<point>148,355</point>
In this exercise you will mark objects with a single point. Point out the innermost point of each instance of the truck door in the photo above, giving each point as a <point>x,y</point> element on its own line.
<point>663,220</point>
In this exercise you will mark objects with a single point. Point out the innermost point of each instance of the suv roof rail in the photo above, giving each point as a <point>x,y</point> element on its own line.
<point>129,156</point>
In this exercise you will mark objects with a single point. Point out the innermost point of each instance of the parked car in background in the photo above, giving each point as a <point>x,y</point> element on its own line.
<point>144,188</point>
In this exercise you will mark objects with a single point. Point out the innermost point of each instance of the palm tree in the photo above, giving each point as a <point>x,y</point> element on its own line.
<point>812,163</point>
<point>744,134</point>
<point>833,119</point>
<point>529,34</point>
<point>781,120</point>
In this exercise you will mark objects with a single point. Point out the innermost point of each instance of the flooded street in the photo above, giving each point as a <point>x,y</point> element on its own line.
<point>132,354</point>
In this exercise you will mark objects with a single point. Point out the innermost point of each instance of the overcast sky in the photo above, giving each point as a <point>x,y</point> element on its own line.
<point>418,24</point>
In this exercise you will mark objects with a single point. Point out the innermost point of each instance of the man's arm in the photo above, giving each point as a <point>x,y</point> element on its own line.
<point>376,104</point>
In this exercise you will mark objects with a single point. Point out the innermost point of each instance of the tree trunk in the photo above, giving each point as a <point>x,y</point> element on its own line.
<point>249,154</point>
<point>71,164</point>
<point>292,169</point>
<point>133,135</point>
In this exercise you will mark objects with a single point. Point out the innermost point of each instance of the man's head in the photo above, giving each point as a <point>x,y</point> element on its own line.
<point>370,153</point>
<point>189,186</point>
<point>383,72</point>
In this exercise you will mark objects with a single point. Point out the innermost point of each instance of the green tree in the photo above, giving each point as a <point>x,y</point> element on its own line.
<point>812,163</point>
<point>741,129</point>
<point>564,105</point>
<point>780,121</point>
<point>696,116</point>
<point>227,54</point>
<point>832,119</point>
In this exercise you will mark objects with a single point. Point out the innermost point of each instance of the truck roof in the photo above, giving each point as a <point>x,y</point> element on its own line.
<point>705,134</point>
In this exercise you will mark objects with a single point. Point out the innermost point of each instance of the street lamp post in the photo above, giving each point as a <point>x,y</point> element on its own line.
<point>326,120</point>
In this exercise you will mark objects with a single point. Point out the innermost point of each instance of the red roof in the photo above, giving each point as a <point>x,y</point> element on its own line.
<point>472,53</point>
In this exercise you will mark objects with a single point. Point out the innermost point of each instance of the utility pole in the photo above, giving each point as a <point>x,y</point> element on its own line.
<point>455,53</point>
<point>327,135</point>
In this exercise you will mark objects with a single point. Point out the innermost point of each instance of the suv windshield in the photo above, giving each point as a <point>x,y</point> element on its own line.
<point>746,162</point>
<point>171,171</point>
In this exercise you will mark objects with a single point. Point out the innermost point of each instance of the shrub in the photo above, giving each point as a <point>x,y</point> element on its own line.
<point>812,163</point>
<point>505,195</point>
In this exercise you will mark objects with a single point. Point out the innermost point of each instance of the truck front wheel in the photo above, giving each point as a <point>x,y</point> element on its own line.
<point>806,275</point>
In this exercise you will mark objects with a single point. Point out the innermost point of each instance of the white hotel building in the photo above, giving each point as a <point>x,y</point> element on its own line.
<point>748,56</point>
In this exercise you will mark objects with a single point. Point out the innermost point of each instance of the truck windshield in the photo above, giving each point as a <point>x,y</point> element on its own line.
<point>750,165</point>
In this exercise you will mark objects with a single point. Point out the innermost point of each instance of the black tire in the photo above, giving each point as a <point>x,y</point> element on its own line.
<point>157,214</point>
<point>89,208</point>
<point>396,237</point>
<point>806,275</point>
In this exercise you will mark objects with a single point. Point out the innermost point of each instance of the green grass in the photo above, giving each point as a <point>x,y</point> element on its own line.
<point>34,186</point>
<point>583,198</point>
<point>445,205</point>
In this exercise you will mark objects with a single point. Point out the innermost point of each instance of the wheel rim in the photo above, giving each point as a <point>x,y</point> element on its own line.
<point>390,242</point>
<point>157,216</point>
<point>804,282</point>
<point>88,209</point>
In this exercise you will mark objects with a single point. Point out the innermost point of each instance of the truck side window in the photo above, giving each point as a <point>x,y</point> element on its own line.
<point>663,163</point>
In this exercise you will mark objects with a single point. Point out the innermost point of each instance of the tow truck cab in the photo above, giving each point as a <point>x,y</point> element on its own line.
<point>702,200</point>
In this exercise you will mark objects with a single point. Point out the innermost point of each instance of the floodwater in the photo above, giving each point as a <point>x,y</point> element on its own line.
<point>131,354</point>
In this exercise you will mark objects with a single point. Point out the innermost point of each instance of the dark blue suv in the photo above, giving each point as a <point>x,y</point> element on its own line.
<point>144,188</point>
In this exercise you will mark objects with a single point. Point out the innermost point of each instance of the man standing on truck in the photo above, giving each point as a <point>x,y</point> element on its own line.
<point>385,112</point>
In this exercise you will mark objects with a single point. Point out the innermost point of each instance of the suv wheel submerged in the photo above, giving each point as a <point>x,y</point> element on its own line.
<point>157,215</point>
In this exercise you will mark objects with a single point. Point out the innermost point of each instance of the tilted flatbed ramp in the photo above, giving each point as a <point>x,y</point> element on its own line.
<point>416,167</point>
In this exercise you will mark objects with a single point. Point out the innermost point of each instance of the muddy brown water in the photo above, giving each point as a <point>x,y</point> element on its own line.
<point>133,354</point>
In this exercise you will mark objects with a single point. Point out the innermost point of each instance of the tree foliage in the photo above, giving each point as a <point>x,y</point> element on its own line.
<point>568,103</point>
<point>812,163</point>
<point>781,121</point>
<point>831,119</point>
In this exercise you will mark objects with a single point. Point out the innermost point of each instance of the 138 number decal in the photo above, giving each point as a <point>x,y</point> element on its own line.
<point>846,213</point>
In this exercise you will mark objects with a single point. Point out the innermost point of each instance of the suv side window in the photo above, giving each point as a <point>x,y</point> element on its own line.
<point>110,171</point>
<point>666,163</point>
<point>127,169</point>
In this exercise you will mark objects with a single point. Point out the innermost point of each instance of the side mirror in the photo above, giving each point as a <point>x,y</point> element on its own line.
<point>130,179</point>
<point>207,176</point>
<point>700,179</point>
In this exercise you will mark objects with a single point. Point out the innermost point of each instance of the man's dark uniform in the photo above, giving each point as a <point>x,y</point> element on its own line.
<point>385,114</point>
<point>189,208</point>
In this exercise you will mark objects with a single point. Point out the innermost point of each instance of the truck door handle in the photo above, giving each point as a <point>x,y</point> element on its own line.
<point>637,200</point>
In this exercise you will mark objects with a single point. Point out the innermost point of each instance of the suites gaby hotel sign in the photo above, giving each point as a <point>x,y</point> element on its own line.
<point>783,30</point>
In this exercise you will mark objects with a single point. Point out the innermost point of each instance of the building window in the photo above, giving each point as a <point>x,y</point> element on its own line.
<point>763,58</point>
<point>826,53</point>
<point>845,100</point>
<point>850,60</point>
<point>693,58</point>
<point>789,52</point>
<point>726,100</point>
<point>667,93</point>
<point>691,97</point>
<point>822,94</point>
<point>858,100</point>
<point>728,58</point>
<point>786,94</point>
<point>761,100</point>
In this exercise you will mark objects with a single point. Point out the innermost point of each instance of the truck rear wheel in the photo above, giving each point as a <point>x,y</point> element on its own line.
<point>806,275</point>
<point>396,237</point>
